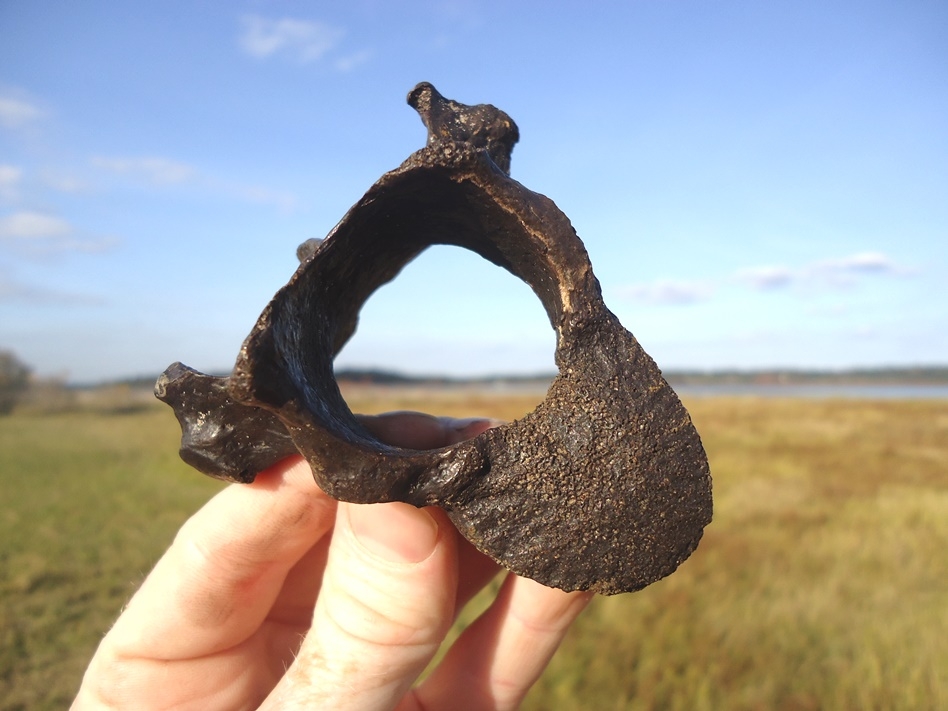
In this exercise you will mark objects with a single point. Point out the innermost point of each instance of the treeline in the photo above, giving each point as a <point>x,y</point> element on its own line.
<point>20,389</point>
<point>922,375</point>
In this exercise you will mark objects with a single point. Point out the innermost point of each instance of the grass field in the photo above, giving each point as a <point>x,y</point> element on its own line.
<point>821,584</point>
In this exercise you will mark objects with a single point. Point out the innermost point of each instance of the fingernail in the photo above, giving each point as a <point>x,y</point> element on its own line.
<point>459,424</point>
<point>469,427</point>
<point>395,532</point>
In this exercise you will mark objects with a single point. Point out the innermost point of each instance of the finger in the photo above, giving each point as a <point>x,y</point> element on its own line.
<point>386,603</point>
<point>416,430</point>
<point>499,657</point>
<point>468,428</point>
<point>292,613</point>
<point>296,601</point>
<point>294,604</point>
<point>475,571</point>
<point>219,579</point>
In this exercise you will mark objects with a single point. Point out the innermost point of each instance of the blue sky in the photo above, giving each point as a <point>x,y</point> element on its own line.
<point>759,184</point>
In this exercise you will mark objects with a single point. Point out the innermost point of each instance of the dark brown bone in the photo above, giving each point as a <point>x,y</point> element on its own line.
<point>604,487</point>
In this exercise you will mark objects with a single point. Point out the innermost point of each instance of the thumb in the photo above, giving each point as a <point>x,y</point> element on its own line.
<point>386,603</point>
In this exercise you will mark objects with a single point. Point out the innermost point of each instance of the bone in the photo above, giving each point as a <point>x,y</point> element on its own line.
<point>604,487</point>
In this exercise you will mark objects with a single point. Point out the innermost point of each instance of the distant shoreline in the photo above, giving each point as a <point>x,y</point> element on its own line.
<point>917,383</point>
<point>936,375</point>
<point>881,376</point>
<point>817,391</point>
<point>927,375</point>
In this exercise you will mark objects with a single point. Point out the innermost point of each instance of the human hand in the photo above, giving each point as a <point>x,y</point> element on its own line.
<point>276,596</point>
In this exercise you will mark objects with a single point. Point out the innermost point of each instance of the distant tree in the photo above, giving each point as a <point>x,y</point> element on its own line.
<point>14,379</point>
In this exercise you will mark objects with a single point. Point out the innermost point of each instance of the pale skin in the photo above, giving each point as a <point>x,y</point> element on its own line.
<point>275,596</point>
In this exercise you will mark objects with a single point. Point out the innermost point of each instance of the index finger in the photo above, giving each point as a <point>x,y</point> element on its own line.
<point>219,579</point>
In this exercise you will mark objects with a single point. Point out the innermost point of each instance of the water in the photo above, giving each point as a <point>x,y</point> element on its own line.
<point>817,391</point>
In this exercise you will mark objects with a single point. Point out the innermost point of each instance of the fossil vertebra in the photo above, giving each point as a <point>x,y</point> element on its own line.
<point>605,486</point>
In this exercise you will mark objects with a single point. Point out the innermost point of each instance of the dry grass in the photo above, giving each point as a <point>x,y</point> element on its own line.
<point>822,583</point>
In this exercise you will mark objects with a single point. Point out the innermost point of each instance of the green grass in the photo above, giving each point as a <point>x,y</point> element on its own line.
<point>821,584</point>
<point>91,501</point>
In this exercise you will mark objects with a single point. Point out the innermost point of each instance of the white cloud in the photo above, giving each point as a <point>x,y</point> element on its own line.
<point>825,273</point>
<point>860,263</point>
<point>301,40</point>
<point>839,272</point>
<point>12,290</point>
<point>18,113</point>
<point>64,183</point>
<point>668,292</point>
<point>38,234</point>
<point>10,182</point>
<point>351,61</point>
<point>157,171</point>
<point>32,226</point>
<point>863,261</point>
<point>765,277</point>
<point>163,172</point>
